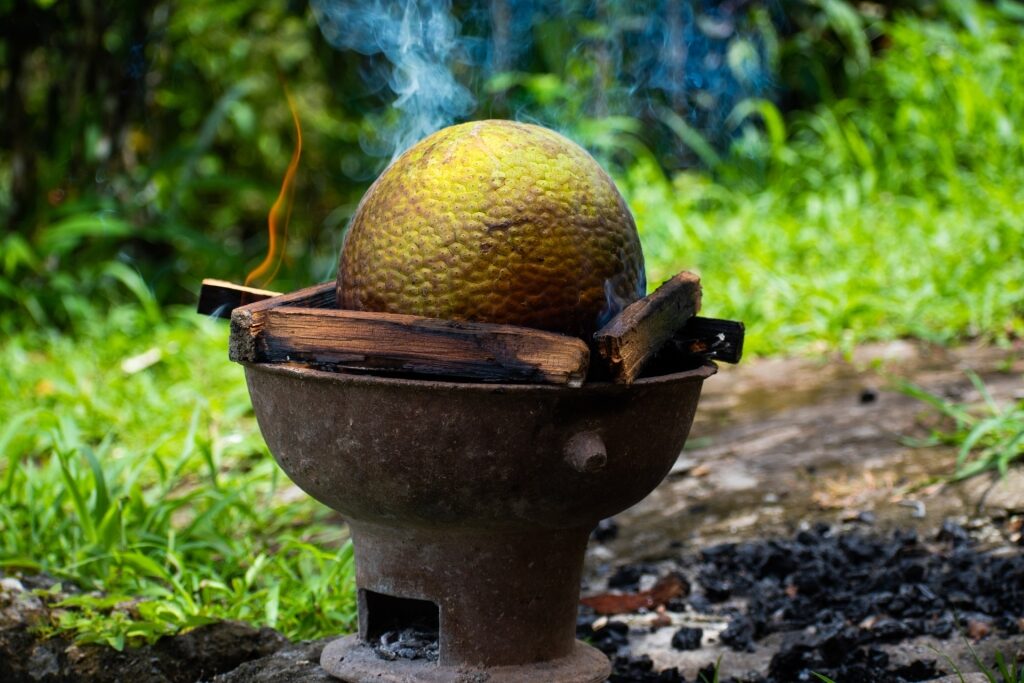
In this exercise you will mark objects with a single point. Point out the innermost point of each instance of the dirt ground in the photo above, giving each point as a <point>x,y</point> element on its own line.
<point>777,442</point>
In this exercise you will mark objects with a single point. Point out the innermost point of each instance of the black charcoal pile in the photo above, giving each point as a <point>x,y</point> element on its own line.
<point>837,596</point>
<point>408,643</point>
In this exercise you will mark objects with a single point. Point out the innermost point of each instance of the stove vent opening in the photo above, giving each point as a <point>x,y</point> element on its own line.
<point>402,628</point>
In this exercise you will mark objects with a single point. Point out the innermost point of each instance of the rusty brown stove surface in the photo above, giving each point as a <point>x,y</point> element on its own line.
<point>471,505</point>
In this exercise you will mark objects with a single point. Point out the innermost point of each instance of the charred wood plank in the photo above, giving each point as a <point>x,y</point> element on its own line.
<point>406,344</point>
<point>640,330</point>
<point>247,321</point>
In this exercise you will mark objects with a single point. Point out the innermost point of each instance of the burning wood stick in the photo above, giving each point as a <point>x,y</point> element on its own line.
<point>218,298</point>
<point>322,295</point>
<point>276,330</point>
<point>640,330</point>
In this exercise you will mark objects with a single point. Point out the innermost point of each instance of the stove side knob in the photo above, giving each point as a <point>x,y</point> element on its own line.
<point>585,452</point>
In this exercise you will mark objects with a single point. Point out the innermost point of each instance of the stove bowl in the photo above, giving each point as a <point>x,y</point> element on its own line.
<point>470,505</point>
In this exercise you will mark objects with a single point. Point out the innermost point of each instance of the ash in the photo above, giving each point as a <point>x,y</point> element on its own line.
<point>408,643</point>
<point>836,596</point>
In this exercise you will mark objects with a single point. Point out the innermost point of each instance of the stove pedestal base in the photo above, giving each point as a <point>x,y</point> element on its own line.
<point>353,661</point>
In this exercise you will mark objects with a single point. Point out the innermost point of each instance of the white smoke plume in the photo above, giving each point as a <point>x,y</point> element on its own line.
<point>420,39</point>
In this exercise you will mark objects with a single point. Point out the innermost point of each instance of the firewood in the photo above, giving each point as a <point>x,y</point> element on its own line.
<point>640,330</point>
<point>405,344</point>
<point>217,298</point>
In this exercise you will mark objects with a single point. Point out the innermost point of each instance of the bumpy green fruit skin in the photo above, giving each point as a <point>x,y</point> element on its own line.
<point>494,221</point>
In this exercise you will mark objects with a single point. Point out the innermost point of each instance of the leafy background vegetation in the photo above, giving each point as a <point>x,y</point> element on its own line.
<point>859,175</point>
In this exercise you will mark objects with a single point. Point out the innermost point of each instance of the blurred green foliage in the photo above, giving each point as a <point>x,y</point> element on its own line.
<point>155,134</point>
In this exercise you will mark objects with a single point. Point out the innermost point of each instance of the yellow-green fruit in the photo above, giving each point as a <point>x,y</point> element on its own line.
<point>494,221</point>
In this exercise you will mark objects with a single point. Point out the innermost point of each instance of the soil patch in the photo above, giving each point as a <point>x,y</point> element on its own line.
<point>777,442</point>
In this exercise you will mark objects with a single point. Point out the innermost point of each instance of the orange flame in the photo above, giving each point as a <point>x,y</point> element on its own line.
<point>278,228</point>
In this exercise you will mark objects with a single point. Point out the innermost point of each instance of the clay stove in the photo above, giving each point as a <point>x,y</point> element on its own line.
<point>470,504</point>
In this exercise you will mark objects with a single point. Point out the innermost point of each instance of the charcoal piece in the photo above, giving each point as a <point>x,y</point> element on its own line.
<point>627,578</point>
<point>858,549</point>
<point>812,579</point>
<point>915,572</point>
<point>610,639</point>
<point>716,590</point>
<point>793,663</point>
<point>687,638</point>
<point>707,673</point>
<point>951,532</point>
<point>1010,624</point>
<point>906,537</point>
<point>807,538</point>
<point>878,659</point>
<point>606,530</point>
<point>780,562</point>
<point>918,670</point>
<point>698,603</point>
<point>721,550</point>
<point>942,626</point>
<point>891,630</point>
<point>626,669</point>
<point>835,637</point>
<point>739,634</point>
<point>408,643</point>
<point>677,605</point>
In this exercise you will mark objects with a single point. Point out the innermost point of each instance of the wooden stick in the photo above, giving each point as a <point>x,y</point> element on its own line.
<point>217,298</point>
<point>266,333</point>
<point>636,334</point>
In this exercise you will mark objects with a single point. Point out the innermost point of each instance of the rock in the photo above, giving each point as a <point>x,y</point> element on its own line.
<point>215,648</point>
<point>298,662</point>
<point>199,654</point>
<point>687,638</point>
<point>964,678</point>
<point>992,493</point>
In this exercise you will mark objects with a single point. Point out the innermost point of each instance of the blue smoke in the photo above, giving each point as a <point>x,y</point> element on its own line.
<point>419,38</point>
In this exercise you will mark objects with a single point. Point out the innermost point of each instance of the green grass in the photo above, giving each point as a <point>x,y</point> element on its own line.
<point>154,486</point>
<point>987,437</point>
